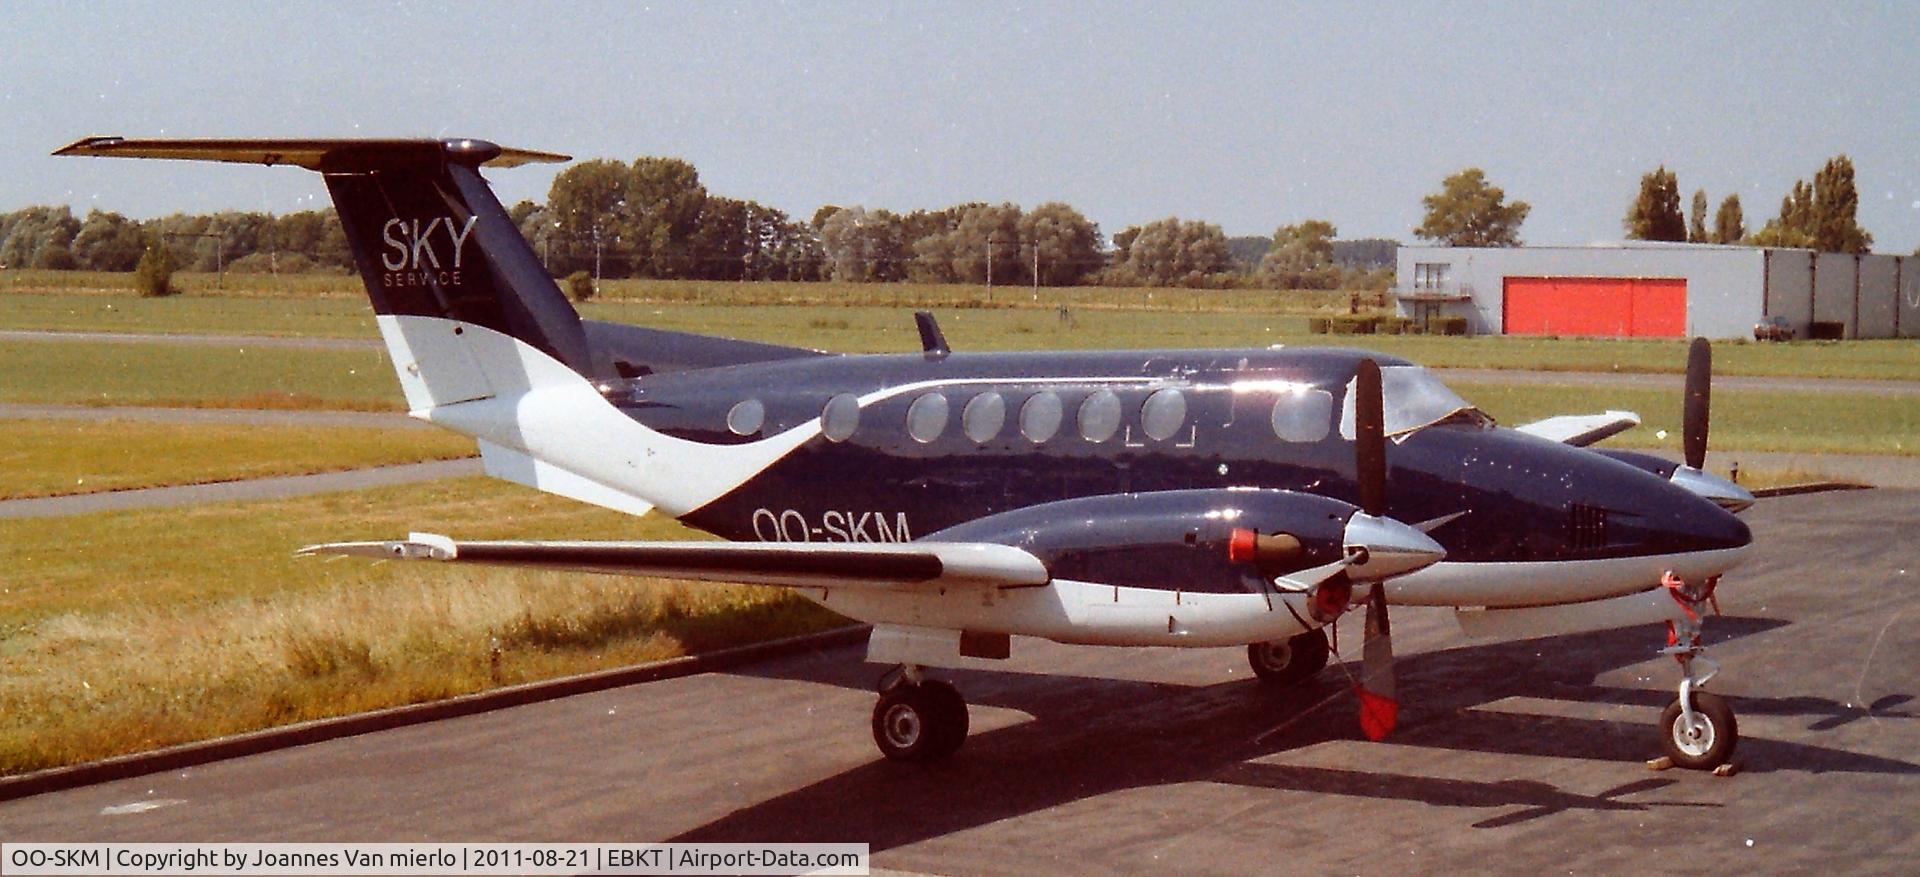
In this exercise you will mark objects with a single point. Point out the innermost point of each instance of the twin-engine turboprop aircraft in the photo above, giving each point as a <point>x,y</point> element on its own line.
<point>954,500</point>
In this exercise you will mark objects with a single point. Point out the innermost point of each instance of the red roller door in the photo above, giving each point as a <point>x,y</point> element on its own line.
<point>1619,306</point>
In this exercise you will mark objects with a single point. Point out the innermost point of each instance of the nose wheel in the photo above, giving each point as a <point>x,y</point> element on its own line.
<point>1698,730</point>
<point>918,719</point>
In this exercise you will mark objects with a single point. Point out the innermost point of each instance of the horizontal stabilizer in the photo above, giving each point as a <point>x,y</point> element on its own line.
<point>1581,430</point>
<point>783,564</point>
<point>317,155</point>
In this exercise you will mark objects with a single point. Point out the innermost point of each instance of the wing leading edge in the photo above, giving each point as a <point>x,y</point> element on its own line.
<point>912,565</point>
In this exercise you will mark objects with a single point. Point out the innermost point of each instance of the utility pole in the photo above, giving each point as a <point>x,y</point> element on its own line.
<point>596,258</point>
<point>1036,270</point>
<point>990,236</point>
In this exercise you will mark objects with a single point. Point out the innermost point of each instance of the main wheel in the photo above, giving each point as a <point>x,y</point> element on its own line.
<point>924,722</point>
<point>1291,661</point>
<point>1706,745</point>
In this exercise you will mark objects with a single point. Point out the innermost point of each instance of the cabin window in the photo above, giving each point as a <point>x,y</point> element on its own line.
<point>747,417</point>
<point>840,418</point>
<point>984,416</point>
<point>1304,414</point>
<point>1040,417</point>
<point>927,417</point>
<point>1163,414</point>
<point>1100,416</point>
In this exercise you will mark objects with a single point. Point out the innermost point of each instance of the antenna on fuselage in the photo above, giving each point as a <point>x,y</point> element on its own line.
<point>932,340</point>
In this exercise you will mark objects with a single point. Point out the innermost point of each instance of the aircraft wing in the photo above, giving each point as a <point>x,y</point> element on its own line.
<point>908,565</point>
<point>1581,430</point>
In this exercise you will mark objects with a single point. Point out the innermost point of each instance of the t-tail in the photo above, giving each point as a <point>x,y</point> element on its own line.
<point>481,337</point>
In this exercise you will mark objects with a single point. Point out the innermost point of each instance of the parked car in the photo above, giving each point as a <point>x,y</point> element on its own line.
<point>1772,329</point>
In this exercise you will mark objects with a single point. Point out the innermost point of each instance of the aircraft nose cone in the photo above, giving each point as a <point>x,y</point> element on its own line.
<point>1391,547</point>
<point>1710,526</point>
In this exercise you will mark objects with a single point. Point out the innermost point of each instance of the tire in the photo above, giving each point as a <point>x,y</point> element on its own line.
<point>948,711</point>
<point>1290,662</point>
<point>1712,745</point>
<point>925,722</point>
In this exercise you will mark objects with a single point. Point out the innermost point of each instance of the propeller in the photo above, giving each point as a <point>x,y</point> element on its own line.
<point>1693,419</point>
<point>1698,401</point>
<point>1379,708</point>
<point>1376,548</point>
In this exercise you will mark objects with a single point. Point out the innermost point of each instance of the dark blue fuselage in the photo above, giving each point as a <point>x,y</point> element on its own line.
<point>908,466</point>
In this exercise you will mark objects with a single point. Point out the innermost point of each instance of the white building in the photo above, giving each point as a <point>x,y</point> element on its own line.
<point>1656,289</point>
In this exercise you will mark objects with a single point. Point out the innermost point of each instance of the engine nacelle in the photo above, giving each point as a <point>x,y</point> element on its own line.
<point>1168,540</point>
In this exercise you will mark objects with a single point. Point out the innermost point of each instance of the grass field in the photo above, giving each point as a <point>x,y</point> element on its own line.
<point>57,457</point>
<point>215,627</point>
<point>196,376</point>
<point>882,326</point>
<point>1834,423</point>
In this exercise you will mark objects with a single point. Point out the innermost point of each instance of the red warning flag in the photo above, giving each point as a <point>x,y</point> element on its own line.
<point>1378,714</point>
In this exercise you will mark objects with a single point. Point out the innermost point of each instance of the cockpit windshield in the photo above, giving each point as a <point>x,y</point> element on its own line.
<point>1413,399</point>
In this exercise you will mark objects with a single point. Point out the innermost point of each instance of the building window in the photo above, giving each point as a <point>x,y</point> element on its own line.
<point>1430,275</point>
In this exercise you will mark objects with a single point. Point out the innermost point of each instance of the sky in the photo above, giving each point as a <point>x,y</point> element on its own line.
<point>1247,115</point>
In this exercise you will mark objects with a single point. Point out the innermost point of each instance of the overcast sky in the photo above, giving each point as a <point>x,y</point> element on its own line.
<point>1248,115</point>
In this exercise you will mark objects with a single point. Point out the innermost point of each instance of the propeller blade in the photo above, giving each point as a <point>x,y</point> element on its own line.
<point>1379,704</point>
<point>1699,395</point>
<point>1369,439</point>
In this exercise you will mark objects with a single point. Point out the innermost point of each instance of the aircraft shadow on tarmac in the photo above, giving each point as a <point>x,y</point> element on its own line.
<point>1095,736</point>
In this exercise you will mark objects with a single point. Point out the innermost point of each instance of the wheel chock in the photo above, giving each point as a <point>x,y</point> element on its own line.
<point>1661,763</point>
<point>1727,770</point>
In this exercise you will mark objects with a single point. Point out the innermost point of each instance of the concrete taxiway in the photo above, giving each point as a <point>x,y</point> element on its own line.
<point>1514,756</point>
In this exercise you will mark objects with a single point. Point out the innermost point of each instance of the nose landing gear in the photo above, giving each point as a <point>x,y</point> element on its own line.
<point>1698,731</point>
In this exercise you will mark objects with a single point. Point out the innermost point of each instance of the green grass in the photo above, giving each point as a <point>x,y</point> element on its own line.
<point>134,630</point>
<point>1832,423</point>
<point>56,457</point>
<point>339,317</point>
<point>196,375</point>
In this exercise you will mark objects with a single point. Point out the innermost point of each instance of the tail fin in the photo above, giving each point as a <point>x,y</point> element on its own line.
<point>430,239</point>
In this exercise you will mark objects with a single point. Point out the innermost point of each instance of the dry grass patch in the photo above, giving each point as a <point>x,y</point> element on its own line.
<point>130,630</point>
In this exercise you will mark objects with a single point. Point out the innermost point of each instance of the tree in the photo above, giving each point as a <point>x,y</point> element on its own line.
<point>862,246</point>
<point>1836,203</point>
<point>108,242</point>
<point>1655,213</point>
<point>1467,212</point>
<point>1697,218</point>
<point>1729,226</point>
<point>1068,244</point>
<point>665,198</point>
<point>1821,216</point>
<point>1169,252</point>
<point>153,276</point>
<point>1301,257</point>
<point>40,237</point>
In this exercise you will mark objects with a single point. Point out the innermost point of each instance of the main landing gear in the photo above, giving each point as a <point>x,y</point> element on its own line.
<point>1697,731</point>
<point>917,718</point>
<point>1289,662</point>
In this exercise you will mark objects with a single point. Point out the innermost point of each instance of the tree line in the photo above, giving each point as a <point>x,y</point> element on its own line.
<point>1821,215</point>
<point>653,218</point>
